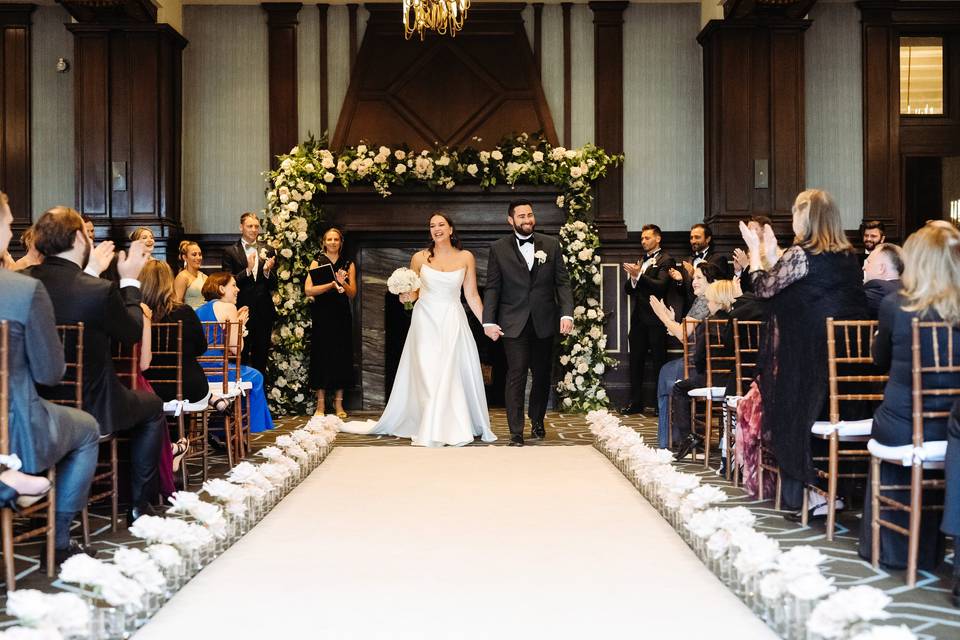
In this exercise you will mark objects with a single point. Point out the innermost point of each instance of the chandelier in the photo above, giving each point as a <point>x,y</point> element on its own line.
<point>442,16</point>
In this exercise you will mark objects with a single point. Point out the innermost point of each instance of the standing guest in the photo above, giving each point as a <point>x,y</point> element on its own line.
<point>110,313</point>
<point>881,275</point>
<point>930,292</point>
<point>741,261</point>
<point>874,233</point>
<point>645,278</point>
<point>221,292</point>
<point>188,286</point>
<point>89,229</point>
<point>331,352</point>
<point>251,262</point>
<point>815,279</point>
<point>42,434</point>
<point>32,256</point>
<point>701,250</point>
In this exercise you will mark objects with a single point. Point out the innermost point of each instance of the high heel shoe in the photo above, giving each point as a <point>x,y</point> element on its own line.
<point>10,499</point>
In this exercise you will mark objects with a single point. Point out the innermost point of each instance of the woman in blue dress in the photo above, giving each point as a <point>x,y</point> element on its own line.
<point>220,292</point>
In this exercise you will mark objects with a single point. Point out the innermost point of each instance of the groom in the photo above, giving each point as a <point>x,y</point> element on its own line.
<point>527,299</point>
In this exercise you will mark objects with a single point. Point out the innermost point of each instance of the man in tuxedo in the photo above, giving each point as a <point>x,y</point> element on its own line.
<point>43,434</point>
<point>881,275</point>
<point>110,313</point>
<point>874,233</point>
<point>646,277</point>
<point>701,251</point>
<point>251,262</point>
<point>526,301</point>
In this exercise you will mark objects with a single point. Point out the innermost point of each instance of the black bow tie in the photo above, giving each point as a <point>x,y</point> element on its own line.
<point>524,241</point>
<point>700,254</point>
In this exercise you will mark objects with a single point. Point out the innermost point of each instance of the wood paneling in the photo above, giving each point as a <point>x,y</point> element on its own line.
<point>608,112</point>
<point>127,100</point>
<point>15,168</point>
<point>282,68</point>
<point>754,110</point>
<point>444,91</point>
<point>538,34</point>
<point>352,10</point>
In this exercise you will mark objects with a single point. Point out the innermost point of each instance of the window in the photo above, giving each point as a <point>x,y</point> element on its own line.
<point>921,76</point>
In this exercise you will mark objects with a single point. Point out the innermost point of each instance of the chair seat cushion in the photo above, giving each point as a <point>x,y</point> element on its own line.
<point>930,452</point>
<point>733,401</point>
<point>717,393</point>
<point>843,428</point>
<point>176,407</point>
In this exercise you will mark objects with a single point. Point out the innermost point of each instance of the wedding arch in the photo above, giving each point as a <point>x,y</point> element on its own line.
<point>294,216</point>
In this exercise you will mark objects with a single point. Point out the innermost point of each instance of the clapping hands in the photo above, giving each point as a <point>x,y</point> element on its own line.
<point>100,257</point>
<point>243,314</point>
<point>661,310</point>
<point>632,269</point>
<point>130,263</point>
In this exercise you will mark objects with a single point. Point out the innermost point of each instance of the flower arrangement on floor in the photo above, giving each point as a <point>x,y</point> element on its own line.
<point>117,597</point>
<point>294,215</point>
<point>785,588</point>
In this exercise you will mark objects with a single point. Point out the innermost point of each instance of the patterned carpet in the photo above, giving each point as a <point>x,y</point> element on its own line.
<point>926,609</point>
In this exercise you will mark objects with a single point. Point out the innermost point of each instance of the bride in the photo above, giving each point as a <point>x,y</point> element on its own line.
<point>438,397</point>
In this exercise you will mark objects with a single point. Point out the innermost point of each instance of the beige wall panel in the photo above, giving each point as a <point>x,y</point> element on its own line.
<point>551,69</point>
<point>308,72</point>
<point>338,58</point>
<point>581,75</point>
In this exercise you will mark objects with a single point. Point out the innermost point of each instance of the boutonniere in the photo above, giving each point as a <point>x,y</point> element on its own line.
<point>540,256</point>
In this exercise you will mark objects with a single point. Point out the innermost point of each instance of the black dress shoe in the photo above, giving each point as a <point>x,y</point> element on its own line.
<point>818,512</point>
<point>72,549</point>
<point>216,443</point>
<point>537,431</point>
<point>631,409</point>
<point>516,441</point>
<point>687,446</point>
<point>136,512</point>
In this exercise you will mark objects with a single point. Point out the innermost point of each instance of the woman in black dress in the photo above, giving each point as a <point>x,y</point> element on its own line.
<point>331,349</point>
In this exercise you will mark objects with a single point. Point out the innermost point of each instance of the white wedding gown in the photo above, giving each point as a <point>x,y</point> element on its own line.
<point>437,397</point>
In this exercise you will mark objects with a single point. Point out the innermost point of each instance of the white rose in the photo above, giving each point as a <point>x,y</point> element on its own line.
<point>399,154</point>
<point>286,253</point>
<point>538,156</point>
<point>308,195</point>
<point>517,152</point>
<point>569,154</point>
<point>472,169</point>
<point>560,201</point>
<point>599,369</point>
<point>484,156</point>
<point>400,169</point>
<point>302,236</point>
<point>601,394</point>
<point>575,172</point>
<point>287,164</point>
<point>327,162</point>
<point>598,279</point>
<point>328,177</point>
<point>293,206</point>
<point>362,149</point>
<point>443,161</point>
<point>496,155</point>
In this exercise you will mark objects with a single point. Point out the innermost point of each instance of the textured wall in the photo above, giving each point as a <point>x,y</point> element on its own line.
<point>51,126</point>
<point>663,116</point>
<point>834,116</point>
<point>225,132</point>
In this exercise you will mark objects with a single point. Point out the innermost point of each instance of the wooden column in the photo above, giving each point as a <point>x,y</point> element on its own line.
<point>127,104</point>
<point>15,174</point>
<point>608,112</point>
<point>753,120</point>
<point>538,35</point>
<point>324,72</point>
<point>282,68</point>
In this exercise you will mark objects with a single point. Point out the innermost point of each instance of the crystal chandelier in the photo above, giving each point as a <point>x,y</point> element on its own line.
<point>442,16</point>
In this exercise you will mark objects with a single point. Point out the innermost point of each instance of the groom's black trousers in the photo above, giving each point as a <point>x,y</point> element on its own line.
<point>527,352</point>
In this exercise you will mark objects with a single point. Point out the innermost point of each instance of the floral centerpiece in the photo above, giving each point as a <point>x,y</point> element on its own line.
<point>294,215</point>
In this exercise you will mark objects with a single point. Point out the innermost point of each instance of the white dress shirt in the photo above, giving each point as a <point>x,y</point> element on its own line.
<point>527,250</point>
<point>252,248</point>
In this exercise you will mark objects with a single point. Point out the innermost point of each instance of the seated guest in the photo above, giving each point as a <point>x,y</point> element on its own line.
<point>42,434</point>
<point>720,296</point>
<point>881,275</point>
<point>32,256</point>
<point>815,279</point>
<point>951,506</point>
<point>672,371</point>
<point>874,234</point>
<point>221,290</point>
<point>930,275</point>
<point>110,313</point>
<point>140,234</point>
<point>188,286</point>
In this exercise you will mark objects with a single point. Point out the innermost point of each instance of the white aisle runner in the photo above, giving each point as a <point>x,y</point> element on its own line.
<point>476,542</point>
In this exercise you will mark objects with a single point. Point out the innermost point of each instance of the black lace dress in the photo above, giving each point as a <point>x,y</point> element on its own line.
<point>331,342</point>
<point>803,290</point>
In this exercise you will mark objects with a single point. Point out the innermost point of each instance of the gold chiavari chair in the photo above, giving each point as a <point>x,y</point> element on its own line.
<point>218,360</point>
<point>45,509</point>
<point>746,351</point>
<point>720,362</point>
<point>689,343</point>
<point>920,455</point>
<point>850,379</point>
<point>167,369</point>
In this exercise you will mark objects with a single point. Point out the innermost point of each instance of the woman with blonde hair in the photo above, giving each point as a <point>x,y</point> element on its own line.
<point>931,292</point>
<point>188,286</point>
<point>817,278</point>
<point>32,256</point>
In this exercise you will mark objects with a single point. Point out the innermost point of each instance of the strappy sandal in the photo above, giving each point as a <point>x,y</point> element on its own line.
<point>180,448</point>
<point>219,404</point>
<point>342,414</point>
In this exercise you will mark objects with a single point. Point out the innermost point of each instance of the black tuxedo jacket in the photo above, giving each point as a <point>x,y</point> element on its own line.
<point>108,314</point>
<point>514,293</point>
<point>654,281</point>
<point>255,294</point>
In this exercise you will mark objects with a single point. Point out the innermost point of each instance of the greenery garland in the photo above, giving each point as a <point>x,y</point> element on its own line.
<point>294,216</point>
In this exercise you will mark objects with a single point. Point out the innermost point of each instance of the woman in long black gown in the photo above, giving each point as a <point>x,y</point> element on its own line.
<point>331,348</point>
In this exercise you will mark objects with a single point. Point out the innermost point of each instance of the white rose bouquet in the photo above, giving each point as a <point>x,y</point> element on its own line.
<point>403,280</point>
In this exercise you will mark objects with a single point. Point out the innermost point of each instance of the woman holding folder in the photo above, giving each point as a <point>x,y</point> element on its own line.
<point>332,283</point>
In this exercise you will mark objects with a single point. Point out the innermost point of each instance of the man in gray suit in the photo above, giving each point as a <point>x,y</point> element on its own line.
<point>43,434</point>
<point>527,300</point>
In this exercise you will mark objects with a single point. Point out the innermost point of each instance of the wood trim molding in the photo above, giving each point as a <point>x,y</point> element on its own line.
<point>608,112</point>
<point>538,35</point>
<point>567,76</point>
<point>352,10</point>
<point>324,70</point>
<point>282,68</point>
<point>15,113</point>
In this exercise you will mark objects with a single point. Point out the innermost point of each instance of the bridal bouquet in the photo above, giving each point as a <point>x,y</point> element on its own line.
<point>403,280</point>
